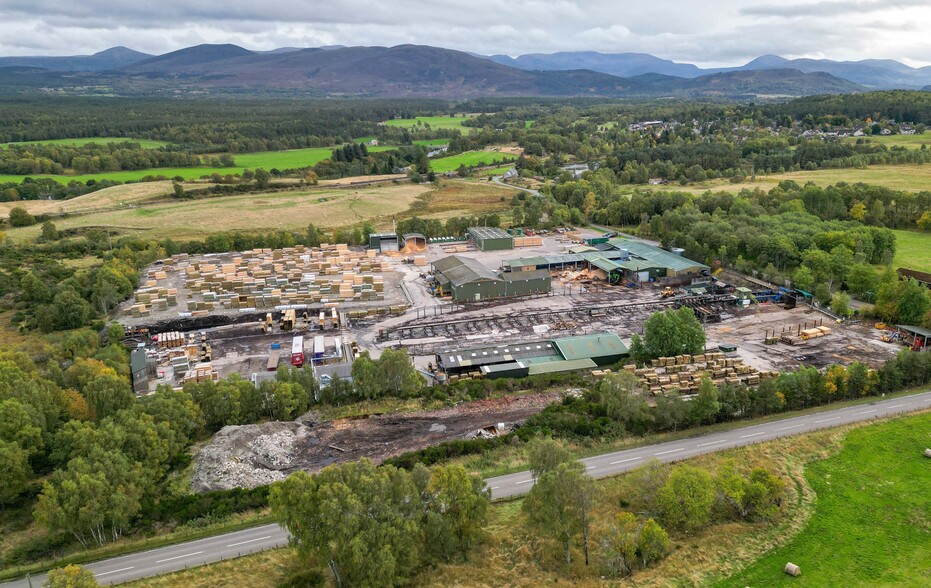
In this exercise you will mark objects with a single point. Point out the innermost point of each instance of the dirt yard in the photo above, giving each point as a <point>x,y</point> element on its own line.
<point>251,455</point>
<point>847,342</point>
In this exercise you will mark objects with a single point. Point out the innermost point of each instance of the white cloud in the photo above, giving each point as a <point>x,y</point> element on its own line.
<point>710,33</point>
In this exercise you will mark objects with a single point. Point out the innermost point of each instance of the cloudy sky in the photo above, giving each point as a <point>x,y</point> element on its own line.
<point>706,32</point>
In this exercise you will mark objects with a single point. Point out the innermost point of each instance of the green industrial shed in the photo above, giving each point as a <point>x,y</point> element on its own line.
<point>467,280</point>
<point>491,238</point>
<point>519,359</point>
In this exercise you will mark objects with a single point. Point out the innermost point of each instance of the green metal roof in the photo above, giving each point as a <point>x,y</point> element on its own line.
<point>657,255</point>
<point>551,367</point>
<point>525,276</point>
<point>588,346</point>
<point>606,264</point>
<point>917,330</point>
<point>639,265</point>
<point>489,233</point>
<point>462,270</point>
<point>137,360</point>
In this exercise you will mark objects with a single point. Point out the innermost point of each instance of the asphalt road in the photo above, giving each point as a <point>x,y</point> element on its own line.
<point>220,547</point>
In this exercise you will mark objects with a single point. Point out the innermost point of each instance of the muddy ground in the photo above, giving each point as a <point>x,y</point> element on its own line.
<point>250,455</point>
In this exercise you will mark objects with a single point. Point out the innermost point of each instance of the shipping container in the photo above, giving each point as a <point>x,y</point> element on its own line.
<point>297,351</point>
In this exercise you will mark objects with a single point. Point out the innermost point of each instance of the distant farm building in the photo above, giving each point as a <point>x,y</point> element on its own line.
<point>517,360</point>
<point>468,280</point>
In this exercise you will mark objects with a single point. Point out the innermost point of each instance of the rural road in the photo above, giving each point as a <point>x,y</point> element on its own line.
<point>500,181</point>
<point>213,549</point>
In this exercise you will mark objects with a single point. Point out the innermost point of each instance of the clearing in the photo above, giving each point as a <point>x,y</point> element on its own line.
<point>912,250</point>
<point>872,519</point>
<point>252,455</point>
<point>125,195</point>
<point>197,218</point>
<point>144,143</point>
<point>906,177</point>
<point>470,159</point>
<point>292,159</point>
<point>909,141</point>
<point>435,122</point>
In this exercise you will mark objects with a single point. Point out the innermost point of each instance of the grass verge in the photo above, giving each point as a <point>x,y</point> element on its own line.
<point>127,546</point>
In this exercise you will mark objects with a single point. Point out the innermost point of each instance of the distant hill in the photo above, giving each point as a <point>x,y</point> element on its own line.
<point>769,82</point>
<point>109,59</point>
<point>406,70</point>
<point>182,59</point>
<point>615,64</point>
<point>872,73</point>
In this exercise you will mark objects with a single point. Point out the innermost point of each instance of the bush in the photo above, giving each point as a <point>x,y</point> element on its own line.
<point>20,218</point>
<point>304,579</point>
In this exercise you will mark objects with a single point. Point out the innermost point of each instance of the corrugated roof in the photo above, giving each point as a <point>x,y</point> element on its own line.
<point>917,330</point>
<point>137,360</point>
<point>462,270</point>
<point>489,233</point>
<point>606,264</point>
<point>588,346</point>
<point>497,354</point>
<point>564,258</point>
<point>656,255</point>
<point>524,276</point>
<point>550,367</point>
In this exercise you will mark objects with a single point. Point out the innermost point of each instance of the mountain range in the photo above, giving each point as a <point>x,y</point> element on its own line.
<point>423,71</point>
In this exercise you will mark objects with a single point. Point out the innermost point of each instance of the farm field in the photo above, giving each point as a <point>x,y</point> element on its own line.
<point>191,219</point>
<point>906,177</point>
<point>294,158</point>
<point>912,250</point>
<point>435,122</point>
<point>910,141</point>
<point>431,142</point>
<point>469,159</point>
<point>458,198</point>
<point>144,143</point>
<point>872,520</point>
<point>126,194</point>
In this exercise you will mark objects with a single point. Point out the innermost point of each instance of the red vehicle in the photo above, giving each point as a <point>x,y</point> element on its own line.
<point>297,351</point>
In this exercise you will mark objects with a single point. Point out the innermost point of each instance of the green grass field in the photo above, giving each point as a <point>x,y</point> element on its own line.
<point>282,160</point>
<point>144,143</point>
<point>469,159</point>
<point>910,141</point>
<point>912,250</point>
<point>872,519</point>
<point>432,142</point>
<point>435,122</point>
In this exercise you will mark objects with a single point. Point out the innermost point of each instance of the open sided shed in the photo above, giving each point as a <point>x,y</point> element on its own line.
<point>918,338</point>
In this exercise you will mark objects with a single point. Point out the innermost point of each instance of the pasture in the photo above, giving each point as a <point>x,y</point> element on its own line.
<point>195,219</point>
<point>469,159</point>
<point>127,194</point>
<point>872,520</point>
<point>434,122</point>
<point>144,143</point>
<point>912,250</point>
<point>282,160</point>
<point>909,141</point>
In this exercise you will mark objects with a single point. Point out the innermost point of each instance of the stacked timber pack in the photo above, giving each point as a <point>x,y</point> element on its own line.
<point>265,278</point>
<point>685,372</point>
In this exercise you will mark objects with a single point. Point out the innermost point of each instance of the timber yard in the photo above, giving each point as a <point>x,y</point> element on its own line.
<point>491,304</point>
